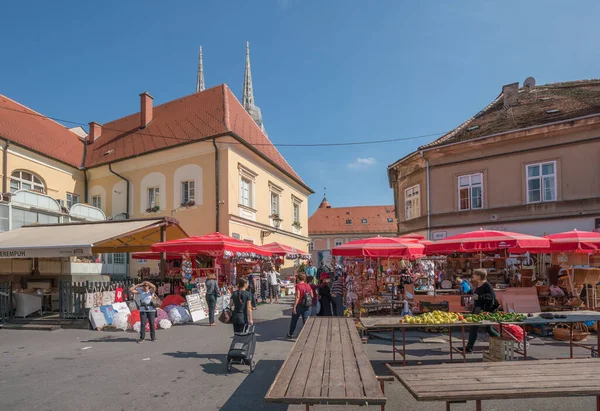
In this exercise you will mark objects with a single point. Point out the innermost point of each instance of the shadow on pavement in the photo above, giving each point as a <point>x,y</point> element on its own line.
<point>113,339</point>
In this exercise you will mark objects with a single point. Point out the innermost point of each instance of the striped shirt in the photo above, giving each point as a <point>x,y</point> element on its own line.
<point>338,287</point>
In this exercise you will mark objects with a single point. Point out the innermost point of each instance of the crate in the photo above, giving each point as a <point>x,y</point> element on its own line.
<point>543,330</point>
<point>427,306</point>
<point>501,349</point>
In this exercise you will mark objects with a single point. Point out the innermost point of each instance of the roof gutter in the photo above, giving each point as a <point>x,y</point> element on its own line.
<point>127,194</point>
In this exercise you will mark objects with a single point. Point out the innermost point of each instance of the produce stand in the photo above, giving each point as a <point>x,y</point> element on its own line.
<point>393,324</point>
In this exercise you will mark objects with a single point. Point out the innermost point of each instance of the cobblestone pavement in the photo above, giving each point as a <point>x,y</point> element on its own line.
<point>88,370</point>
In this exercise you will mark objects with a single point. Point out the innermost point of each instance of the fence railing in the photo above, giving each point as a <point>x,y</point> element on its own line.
<point>6,302</point>
<point>72,295</point>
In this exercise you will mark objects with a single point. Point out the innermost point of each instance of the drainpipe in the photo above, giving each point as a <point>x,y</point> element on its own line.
<point>216,183</point>
<point>428,196</point>
<point>5,167</point>
<point>85,186</point>
<point>127,194</point>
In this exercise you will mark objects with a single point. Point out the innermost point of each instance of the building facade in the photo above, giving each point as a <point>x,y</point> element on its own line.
<point>525,163</point>
<point>330,227</point>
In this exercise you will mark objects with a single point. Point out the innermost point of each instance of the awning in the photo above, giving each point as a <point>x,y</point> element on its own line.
<point>85,239</point>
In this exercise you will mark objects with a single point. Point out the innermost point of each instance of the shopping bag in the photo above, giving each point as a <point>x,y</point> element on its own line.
<point>97,297</point>
<point>89,299</point>
<point>97,318</point>
<point>108,297</point>
<point>225,316</point>
<point>121,308</point>
<point>119,297</point>
<point>108,312</point>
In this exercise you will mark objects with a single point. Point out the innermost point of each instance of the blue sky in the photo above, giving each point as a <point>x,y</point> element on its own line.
<point>323,70</point>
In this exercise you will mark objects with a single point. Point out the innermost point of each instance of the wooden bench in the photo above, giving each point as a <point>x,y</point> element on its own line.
<point>327,365</point>
<point>504,380</point>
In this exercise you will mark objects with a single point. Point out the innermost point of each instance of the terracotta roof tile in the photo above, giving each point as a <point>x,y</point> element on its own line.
<point>199,116</point>
<point>571,99</point>
<point>32,130</point>
<point>379,220</point>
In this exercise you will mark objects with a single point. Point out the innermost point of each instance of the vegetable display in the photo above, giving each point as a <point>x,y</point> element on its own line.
<point>441,317</point>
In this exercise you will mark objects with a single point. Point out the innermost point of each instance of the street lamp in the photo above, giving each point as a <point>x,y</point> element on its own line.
<point>276,224</point>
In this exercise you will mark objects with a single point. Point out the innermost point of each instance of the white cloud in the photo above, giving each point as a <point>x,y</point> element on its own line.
<point>362,163</point>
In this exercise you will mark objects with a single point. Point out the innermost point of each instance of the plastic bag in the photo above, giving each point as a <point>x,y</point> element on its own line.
<point>120,322</point>
<point>179,315</point>
<point>165,324</point>
<point>556,291</point>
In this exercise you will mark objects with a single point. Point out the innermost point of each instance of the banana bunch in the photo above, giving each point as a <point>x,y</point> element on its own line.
<point>433,318</point>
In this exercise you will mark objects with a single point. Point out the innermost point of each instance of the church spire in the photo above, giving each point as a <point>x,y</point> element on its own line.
<point>248,94</point>
<point>200,79</point>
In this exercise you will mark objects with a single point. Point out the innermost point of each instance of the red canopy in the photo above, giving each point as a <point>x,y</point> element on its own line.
<point>215,245</point>
<point>155,256</point>
<point>383,247</point>
<point>283,250</point>
<point>413,236</point>
<point>485,241</point>
<point>576,241</point>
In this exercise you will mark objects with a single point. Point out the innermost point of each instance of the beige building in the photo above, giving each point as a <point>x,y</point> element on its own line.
<point>528,162</point>
<point>330,227</point>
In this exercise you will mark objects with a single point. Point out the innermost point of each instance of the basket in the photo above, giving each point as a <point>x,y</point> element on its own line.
<point>541,289</point>
<point>561,332</point>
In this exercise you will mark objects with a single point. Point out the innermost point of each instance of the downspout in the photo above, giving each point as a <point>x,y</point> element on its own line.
<point>127,181</point>
<point>428,196</point>
<point>5,167</point>
<point>216,183</point>
<point>85,186</point>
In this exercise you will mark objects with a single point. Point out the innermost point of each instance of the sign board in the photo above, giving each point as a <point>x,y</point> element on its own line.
<point>196,307</point>
<point>44,252</point>
<point>570,259</point>
<point>439,235</point>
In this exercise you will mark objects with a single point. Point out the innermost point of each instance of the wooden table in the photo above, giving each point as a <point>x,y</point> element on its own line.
<point>501,380</point>
<point>327,365</point>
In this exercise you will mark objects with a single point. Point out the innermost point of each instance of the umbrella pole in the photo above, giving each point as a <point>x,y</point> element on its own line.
<point>480,259</point>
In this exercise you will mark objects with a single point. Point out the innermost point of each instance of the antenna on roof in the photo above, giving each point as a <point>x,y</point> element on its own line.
<point>529,84</point>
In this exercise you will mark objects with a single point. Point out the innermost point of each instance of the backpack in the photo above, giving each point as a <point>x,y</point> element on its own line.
<point>306,301</point>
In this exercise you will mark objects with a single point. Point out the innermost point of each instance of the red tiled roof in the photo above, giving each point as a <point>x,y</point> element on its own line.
<point>34,131</point>
<point>535,108</point>
<point>333,220</point>
<point>199,116</point>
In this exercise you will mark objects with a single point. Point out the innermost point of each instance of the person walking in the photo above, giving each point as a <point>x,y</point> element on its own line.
<point>264,284</point>
<point>311,271</point>
<point>302,305</point>
<point>252,289</point>
<point>241,306</point>
<point>146,291</point>
<point>485,301</point>
<point>315,302</point>
<point>212,293</point>
<point>325,296</point>
<point>337,295</point>
<point>273,285</point>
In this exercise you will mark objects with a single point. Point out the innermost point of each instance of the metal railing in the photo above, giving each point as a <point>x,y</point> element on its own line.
<point>6,301</point>
<point>72,295</point>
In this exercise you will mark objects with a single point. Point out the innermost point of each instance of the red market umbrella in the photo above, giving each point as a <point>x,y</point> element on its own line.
<point>382,247</point>
<point>575,241</point>
<point>413,236</point>
<point>155,256</point>
<point>282,250</point>
<point>486,241</point>
<point>214,245</point>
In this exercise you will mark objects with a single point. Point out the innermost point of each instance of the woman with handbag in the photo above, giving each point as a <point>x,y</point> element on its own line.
<point>212,293</point>
<point>147,291</point>
<point>241,304</point>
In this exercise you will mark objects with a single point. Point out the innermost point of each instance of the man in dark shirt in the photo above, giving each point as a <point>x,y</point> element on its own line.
<point>485,301</point>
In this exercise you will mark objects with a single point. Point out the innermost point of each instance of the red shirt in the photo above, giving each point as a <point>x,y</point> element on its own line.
<point>302,289</point>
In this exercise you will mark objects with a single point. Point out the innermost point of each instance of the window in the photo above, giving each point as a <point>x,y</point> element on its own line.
<point>541,182</point>
<point>348,221</point>
<point>119,258</point>
<point>153,197</point>
<point>246,192</point>
<point>390,220</point>
<point>274,204</point>
<point>364,221</point>
<point>412,203</point>
<point>188,191</point>
<point>72,199</point>
<point>470,192</point>
<point>97,201</point>
<point>24,180</point>
<point>311,246</point>
<point>338,243</point>
<point>296,213</point>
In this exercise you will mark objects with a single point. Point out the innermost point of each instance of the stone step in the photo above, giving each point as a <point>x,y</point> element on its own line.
<point>31,327</point>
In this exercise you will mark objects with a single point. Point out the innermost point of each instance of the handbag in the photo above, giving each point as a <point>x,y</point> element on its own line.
<point>156,302</point>
<point>89,299</point>
<point>225,316</point>
<point>119,297</point>
<point>108,297</point>
<point>98,296</point>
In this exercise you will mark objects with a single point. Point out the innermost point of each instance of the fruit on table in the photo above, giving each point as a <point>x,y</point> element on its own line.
<point>497,317</point>
<point>441,317</point>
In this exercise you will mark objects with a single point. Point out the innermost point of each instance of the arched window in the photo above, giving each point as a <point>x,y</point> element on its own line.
<point>24,180</point>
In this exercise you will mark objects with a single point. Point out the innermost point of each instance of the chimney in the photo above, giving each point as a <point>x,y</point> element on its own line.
<point>94,133</point>
<point>145,109</point>
<point>510,93</point>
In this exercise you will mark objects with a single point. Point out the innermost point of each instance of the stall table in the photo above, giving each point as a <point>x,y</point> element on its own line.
<point>499,381</point>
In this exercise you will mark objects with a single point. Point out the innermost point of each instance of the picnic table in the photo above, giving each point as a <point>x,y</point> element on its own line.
<point>328,364</point>
<point>501,380</point>
<point>392,323</point>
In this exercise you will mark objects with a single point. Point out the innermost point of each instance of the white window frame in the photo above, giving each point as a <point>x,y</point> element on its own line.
<point>249,176</point>
<point>274,204</point>
<point>97,201</point>
<point>541,177</point>
<point>469,187</point>
<point>188,191</point>
<point>295,213</point>
<point>409,199</point>
<point>153,197</point>
<point>17,177</point>
<point>364,221</point>
<point>72,199</point>
<point>119,258</point>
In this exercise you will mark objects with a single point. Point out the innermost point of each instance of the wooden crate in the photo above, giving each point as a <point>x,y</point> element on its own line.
<point>501,349</point>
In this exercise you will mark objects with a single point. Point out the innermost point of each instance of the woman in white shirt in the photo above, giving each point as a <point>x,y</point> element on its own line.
<point>146,290</point>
